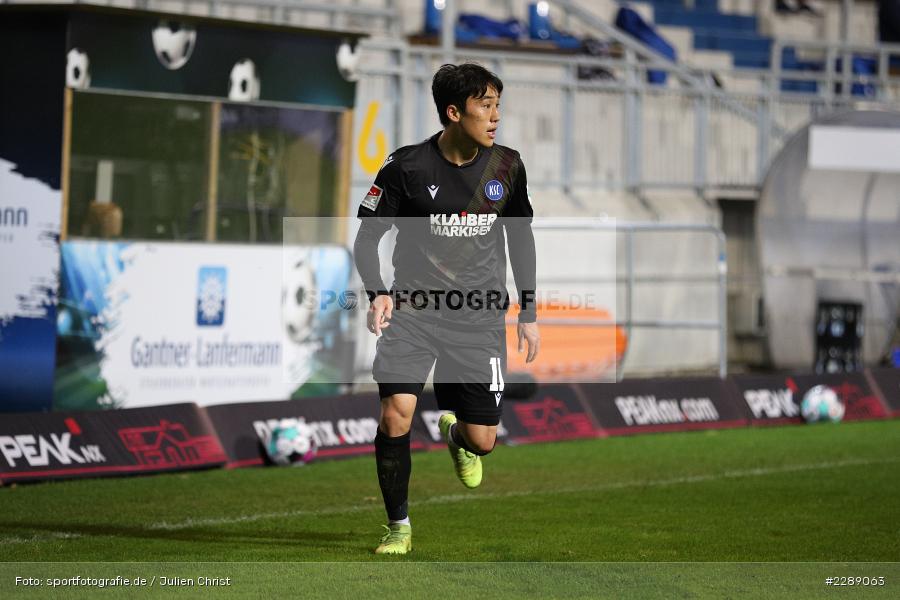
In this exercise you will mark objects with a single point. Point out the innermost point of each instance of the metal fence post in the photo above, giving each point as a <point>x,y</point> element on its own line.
<point>722,316</point>
<point>632,134</point>
<point>846,71</point>
<point>448,31</point>
<point>568,110</point>
<point>701,115</point>
<point>764,127</point>
<point>403,88</point>
<point>830,58</point>
<point>771,85</point>
<point>629,297</point>
<point>419,85</point>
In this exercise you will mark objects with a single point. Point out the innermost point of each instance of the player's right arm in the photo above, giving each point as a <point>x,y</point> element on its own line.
<point>376,213</point>
<point>365,254</point>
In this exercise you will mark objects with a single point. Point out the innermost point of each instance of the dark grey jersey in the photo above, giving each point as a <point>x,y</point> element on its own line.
<point>450,255</point>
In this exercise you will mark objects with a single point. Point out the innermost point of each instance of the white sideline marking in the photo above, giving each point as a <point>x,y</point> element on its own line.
<point>40,537</point>
<point>454,498</point>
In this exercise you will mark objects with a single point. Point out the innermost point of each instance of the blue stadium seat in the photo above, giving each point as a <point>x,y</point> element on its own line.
<point>713,30</point>
<point>631,23</point>
<point>704,19</point>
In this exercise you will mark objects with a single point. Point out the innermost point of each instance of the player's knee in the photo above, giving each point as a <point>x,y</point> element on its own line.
<point>483,446</point>
<point>479,439</point>
<point>394,424</point>
<point>395,420</point>
<point>396,414</point>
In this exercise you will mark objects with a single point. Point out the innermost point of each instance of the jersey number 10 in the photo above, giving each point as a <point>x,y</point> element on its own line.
<point>496,375</point>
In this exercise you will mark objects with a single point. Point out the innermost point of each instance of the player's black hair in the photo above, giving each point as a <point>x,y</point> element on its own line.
<point>454,84</point>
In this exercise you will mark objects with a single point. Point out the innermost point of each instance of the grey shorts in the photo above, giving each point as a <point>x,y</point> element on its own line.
<point>469,365</point>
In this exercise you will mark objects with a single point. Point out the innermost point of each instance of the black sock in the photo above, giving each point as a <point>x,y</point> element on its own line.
<point>394,464</point>
<point>457,438</point>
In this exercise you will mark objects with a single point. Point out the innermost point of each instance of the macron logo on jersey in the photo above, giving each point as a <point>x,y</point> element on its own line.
<point>462,225</point>
<point>372,198</point>
<point>433,189</point>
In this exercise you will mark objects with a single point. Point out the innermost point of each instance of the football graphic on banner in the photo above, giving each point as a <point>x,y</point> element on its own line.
<point>244,84</point>
<point>821,403</point>
<point>173,43</point>
<point>291,443</point>
<point>78,75</point>
<point>299,298</point>
<point>347,61</point>
<point>233,323</point>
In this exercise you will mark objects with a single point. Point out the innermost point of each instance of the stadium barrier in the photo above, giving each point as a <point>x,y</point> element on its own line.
<point>228,328</point>
<point>886,382</point>
<point>173,437</point>
<point>345,426</point>
<point>657,405</point>
<point>775,399</point>
<point>342,426</point>
<point>556,412</point>
<point>63,445</point>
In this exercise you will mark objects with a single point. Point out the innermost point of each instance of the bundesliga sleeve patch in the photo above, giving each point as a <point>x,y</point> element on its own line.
<point>372,198</point>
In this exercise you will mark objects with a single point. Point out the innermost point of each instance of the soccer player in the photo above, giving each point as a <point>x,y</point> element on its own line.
<point>446,197</point>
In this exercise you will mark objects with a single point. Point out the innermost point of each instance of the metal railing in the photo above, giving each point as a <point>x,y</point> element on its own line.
<point>687,134</point>
<point>636,113</point>
<point>837,77</point>
<point>629,275</point>
<point>630,279</point>
<point>381,15</point>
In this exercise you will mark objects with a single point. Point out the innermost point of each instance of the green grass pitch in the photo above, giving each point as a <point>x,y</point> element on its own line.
<point>826,493</point>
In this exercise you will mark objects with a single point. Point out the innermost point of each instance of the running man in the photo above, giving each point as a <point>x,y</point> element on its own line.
<point>446,308</point>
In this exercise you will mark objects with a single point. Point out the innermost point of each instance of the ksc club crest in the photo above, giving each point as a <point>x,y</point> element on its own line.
<point>493,189</point>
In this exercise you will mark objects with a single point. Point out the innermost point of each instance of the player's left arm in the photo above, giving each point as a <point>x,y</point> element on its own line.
<point>518,214</point>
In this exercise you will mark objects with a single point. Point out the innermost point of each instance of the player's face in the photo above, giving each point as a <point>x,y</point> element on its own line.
<point>482,117</point>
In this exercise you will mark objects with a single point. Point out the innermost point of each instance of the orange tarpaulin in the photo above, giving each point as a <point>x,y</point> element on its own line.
<point>577,350</point>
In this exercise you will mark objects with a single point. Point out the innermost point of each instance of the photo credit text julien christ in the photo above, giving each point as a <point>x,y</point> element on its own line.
<point>79,581</point>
